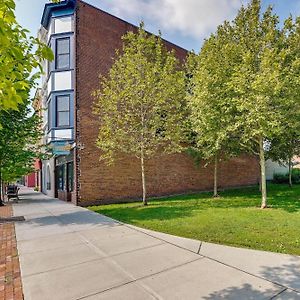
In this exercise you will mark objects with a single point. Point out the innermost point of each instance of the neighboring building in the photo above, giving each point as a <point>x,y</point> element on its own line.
<point>273,167</point>
<point>84,40</point>
<point>34,179</point>
<point>29,180</point>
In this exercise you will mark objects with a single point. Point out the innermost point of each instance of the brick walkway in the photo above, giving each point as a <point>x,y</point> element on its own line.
<point>10,275</point>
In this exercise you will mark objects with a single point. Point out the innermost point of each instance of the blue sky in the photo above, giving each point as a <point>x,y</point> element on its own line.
<point>183,22</point>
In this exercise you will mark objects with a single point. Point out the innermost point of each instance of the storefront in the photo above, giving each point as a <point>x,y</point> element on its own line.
<point>64,177</point>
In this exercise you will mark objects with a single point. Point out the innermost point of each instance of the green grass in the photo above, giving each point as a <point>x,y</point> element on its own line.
<point>233,219</point>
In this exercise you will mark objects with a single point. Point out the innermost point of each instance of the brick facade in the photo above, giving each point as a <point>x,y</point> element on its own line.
<point>98,34</point>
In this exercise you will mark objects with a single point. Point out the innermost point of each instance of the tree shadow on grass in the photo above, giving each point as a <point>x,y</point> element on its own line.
<point>150,212</point>
<point>279,197</point>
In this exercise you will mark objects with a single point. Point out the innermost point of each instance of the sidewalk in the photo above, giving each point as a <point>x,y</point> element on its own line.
<point>68,252</point>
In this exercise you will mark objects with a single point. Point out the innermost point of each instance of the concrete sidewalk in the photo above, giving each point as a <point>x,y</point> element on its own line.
<point>68,252</point>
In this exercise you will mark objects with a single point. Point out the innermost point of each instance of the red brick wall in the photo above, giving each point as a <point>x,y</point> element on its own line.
<point>30,180</point>
<point>98,34</point>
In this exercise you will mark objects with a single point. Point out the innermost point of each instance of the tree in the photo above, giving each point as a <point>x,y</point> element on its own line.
<point>20,55</point>
<point>286,144</point>
<point>140,102</point>
<point>249,61</point>
<point>212,119</point>
<point>19,143</point>
<point>259,89</point>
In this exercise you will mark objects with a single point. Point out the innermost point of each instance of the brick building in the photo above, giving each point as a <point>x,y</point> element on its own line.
<point>84,39</point>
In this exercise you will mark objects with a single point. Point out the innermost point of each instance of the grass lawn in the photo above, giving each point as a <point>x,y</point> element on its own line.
<point>233,219</point>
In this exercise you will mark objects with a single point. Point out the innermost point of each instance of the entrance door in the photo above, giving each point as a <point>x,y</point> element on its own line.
<point>70,180</point>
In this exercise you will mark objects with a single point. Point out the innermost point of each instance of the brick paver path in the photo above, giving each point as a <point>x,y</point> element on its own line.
<point>10,275</point>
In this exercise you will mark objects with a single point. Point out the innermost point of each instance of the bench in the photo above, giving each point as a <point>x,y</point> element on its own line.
<point>12,191</point>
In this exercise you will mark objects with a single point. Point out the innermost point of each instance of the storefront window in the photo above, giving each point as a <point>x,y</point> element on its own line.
<point>70,167</point>
<point>60,178</point>
<point>48,183</point>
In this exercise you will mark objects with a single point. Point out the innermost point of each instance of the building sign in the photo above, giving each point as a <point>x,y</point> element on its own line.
<point>61,148</point>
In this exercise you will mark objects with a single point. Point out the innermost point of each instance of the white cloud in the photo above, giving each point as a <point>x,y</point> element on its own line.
<point>194,18</point>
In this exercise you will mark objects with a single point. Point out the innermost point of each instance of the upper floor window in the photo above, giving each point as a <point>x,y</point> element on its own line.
<point>63,24</point>
<point>62,55</point>
<point>63,111</point>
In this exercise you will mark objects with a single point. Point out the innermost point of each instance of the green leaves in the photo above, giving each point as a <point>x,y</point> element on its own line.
<point>140,102</point>
<point>244,89</point>
<point>19,139</point>
<point>18,60</point>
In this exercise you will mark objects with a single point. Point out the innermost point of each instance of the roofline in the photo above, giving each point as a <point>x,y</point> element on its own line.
<point>95,7</point>
<point>50,7</point>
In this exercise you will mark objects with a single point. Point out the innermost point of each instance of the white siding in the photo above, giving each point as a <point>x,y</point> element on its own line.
<point>274,168</point>
<point>49,85</point>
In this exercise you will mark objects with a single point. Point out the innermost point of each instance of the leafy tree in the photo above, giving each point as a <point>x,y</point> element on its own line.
<point>212,119</point>
<point>19,142</point>
<point>251,69</point>
<point>141,102</point>
<point>286,144</point>
<point>258,81</point>
<point>19,57</point>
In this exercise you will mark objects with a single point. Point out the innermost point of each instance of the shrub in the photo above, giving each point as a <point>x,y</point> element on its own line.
<point>284,178</point>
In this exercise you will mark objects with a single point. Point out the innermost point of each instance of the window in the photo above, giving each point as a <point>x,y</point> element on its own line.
<point>62,111</point>
<point>70,171</point>
<point>62,57</point>
<point>63,24</point>
<point>48,182</point>
<point>60,171</point>
<point>62,80</point>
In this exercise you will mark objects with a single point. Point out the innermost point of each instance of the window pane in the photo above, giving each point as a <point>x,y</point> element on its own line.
<point>62,80</point>
<point>63,24</point>
<point>62,53</point>
<point>63,118</point>
<point>70,167</point>
<point>63,61</point>
<point>63,46</point>
<point>62,103</point>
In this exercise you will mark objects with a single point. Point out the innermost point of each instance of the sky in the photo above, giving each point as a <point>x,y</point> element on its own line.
<point>184,22</point>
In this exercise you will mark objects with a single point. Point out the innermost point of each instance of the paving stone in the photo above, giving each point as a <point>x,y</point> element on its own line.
<point>206,279</point>
<point>189,244</point>
<point>130,291</point>
<point>288,295</point>
<point>116,245</point>
<point>280,268</point>
<point>74,282</point>
<point>155,259</point>
<point>107,232</point>
<point>48,243</point>
<point>42,261</point>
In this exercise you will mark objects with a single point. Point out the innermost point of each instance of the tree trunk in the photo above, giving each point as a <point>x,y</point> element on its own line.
<point>1,190</point>
<point>216,177</point>
<point>290,172</point>
<point>143,178</point>
<point>263,173</point>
